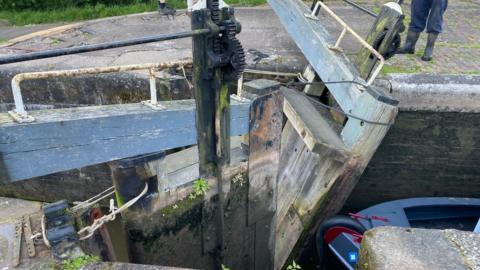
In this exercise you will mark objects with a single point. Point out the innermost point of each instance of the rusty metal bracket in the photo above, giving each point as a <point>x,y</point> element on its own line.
<point>17,243</point>
<point>27,229</point>
<point>21,117</point>
<point>153,103</point>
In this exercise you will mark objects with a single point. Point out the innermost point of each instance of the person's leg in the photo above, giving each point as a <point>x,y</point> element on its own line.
<point>163,9</point>
<point>161,4</point>
<point>434,26</point>
<point>435,18</point>
<point>419,11</point>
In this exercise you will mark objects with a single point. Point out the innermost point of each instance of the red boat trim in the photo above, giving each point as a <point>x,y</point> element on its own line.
<point>333,232</point>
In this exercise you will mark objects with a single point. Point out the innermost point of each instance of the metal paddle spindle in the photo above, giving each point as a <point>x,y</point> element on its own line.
<point>218,60</point>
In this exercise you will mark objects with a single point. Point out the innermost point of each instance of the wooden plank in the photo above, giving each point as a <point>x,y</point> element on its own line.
<point>41,33</point>
<point>294,169</point>
<point>313,40</point>
<point>265,132</point>
<point>364,138</point>
<point>315,131</point>
<point>288,231</point>
<point>333,197</point>
<point>304,179</point>
<point>63,139</point>
<point>310,76</point>
<point>314,187</point>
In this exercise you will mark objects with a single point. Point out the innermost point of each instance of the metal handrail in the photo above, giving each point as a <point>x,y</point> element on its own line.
<point>20,115</point>
<point>346,29</point>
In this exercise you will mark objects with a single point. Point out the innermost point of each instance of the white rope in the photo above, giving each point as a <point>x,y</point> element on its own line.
<point>95,199</point>
<point>190,85</point>
<point>301,78</point>
<point>44,234</point>
<point>98,223</point>
<point>35,236</point>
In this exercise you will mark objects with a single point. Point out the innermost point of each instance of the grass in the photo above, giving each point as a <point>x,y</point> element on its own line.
<point>459,45</point>
<point>472,72</point>
<point>200,188</point>
<point>79,262</point>
<point>71,14</point>
<point>387,69</point>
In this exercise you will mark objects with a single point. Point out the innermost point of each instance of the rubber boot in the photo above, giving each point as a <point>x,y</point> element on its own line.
<point>427,55</point>
<point>409,46</point>
<point>164,10</point>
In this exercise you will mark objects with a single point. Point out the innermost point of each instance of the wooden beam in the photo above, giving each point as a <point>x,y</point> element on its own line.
<point>266,119</point>
<point>314,40</point>
<point>315,89</point>
<point>362,137</point>
<point>314,130</point>
<point>387,25</point>
<point>313,187</point>
<point>64,139</point>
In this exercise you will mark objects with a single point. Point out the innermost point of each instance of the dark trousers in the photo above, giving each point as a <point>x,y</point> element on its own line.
<point>428,13</point>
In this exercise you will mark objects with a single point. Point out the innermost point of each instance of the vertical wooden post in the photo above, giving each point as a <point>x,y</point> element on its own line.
<point>266,119</point>
<point>386,28</point>
<point>213,115</point>
<point>3,171</point>
<point>204,96</point>
<point>129,177</point>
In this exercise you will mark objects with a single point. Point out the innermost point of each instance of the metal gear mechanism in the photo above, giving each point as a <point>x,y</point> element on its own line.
<point>233,51</point>
<point>227,52</point>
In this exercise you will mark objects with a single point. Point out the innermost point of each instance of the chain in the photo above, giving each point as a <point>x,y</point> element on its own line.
<point>89,231</point>
<point>98,223</point>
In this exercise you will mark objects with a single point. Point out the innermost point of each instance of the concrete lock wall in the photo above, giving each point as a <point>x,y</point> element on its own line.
<point>433,148</point>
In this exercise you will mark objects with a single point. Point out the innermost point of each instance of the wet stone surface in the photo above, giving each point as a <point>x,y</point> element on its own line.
<point>420,249</point>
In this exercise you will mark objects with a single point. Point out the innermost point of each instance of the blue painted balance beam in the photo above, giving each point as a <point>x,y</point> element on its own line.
<point>314,41</point>
<point>64,139</point>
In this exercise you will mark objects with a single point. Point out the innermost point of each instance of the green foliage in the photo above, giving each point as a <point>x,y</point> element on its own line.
<point>294,266</point>
<point>19,5</point>
<point>387,69</point>
<point>200,188</point>
<point>70,14</point>
<point>61,11</point>
<point>225,268</point>
<point>77,263</point>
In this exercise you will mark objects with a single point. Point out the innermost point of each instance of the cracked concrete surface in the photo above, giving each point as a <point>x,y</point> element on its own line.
<point>419,249</point>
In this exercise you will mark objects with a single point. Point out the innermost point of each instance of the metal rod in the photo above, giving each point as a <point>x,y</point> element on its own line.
<point>20,115</point>
<point>340,38</point>
<point>97,47</point>
<point>351,31</point>
<point>366,10</point>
